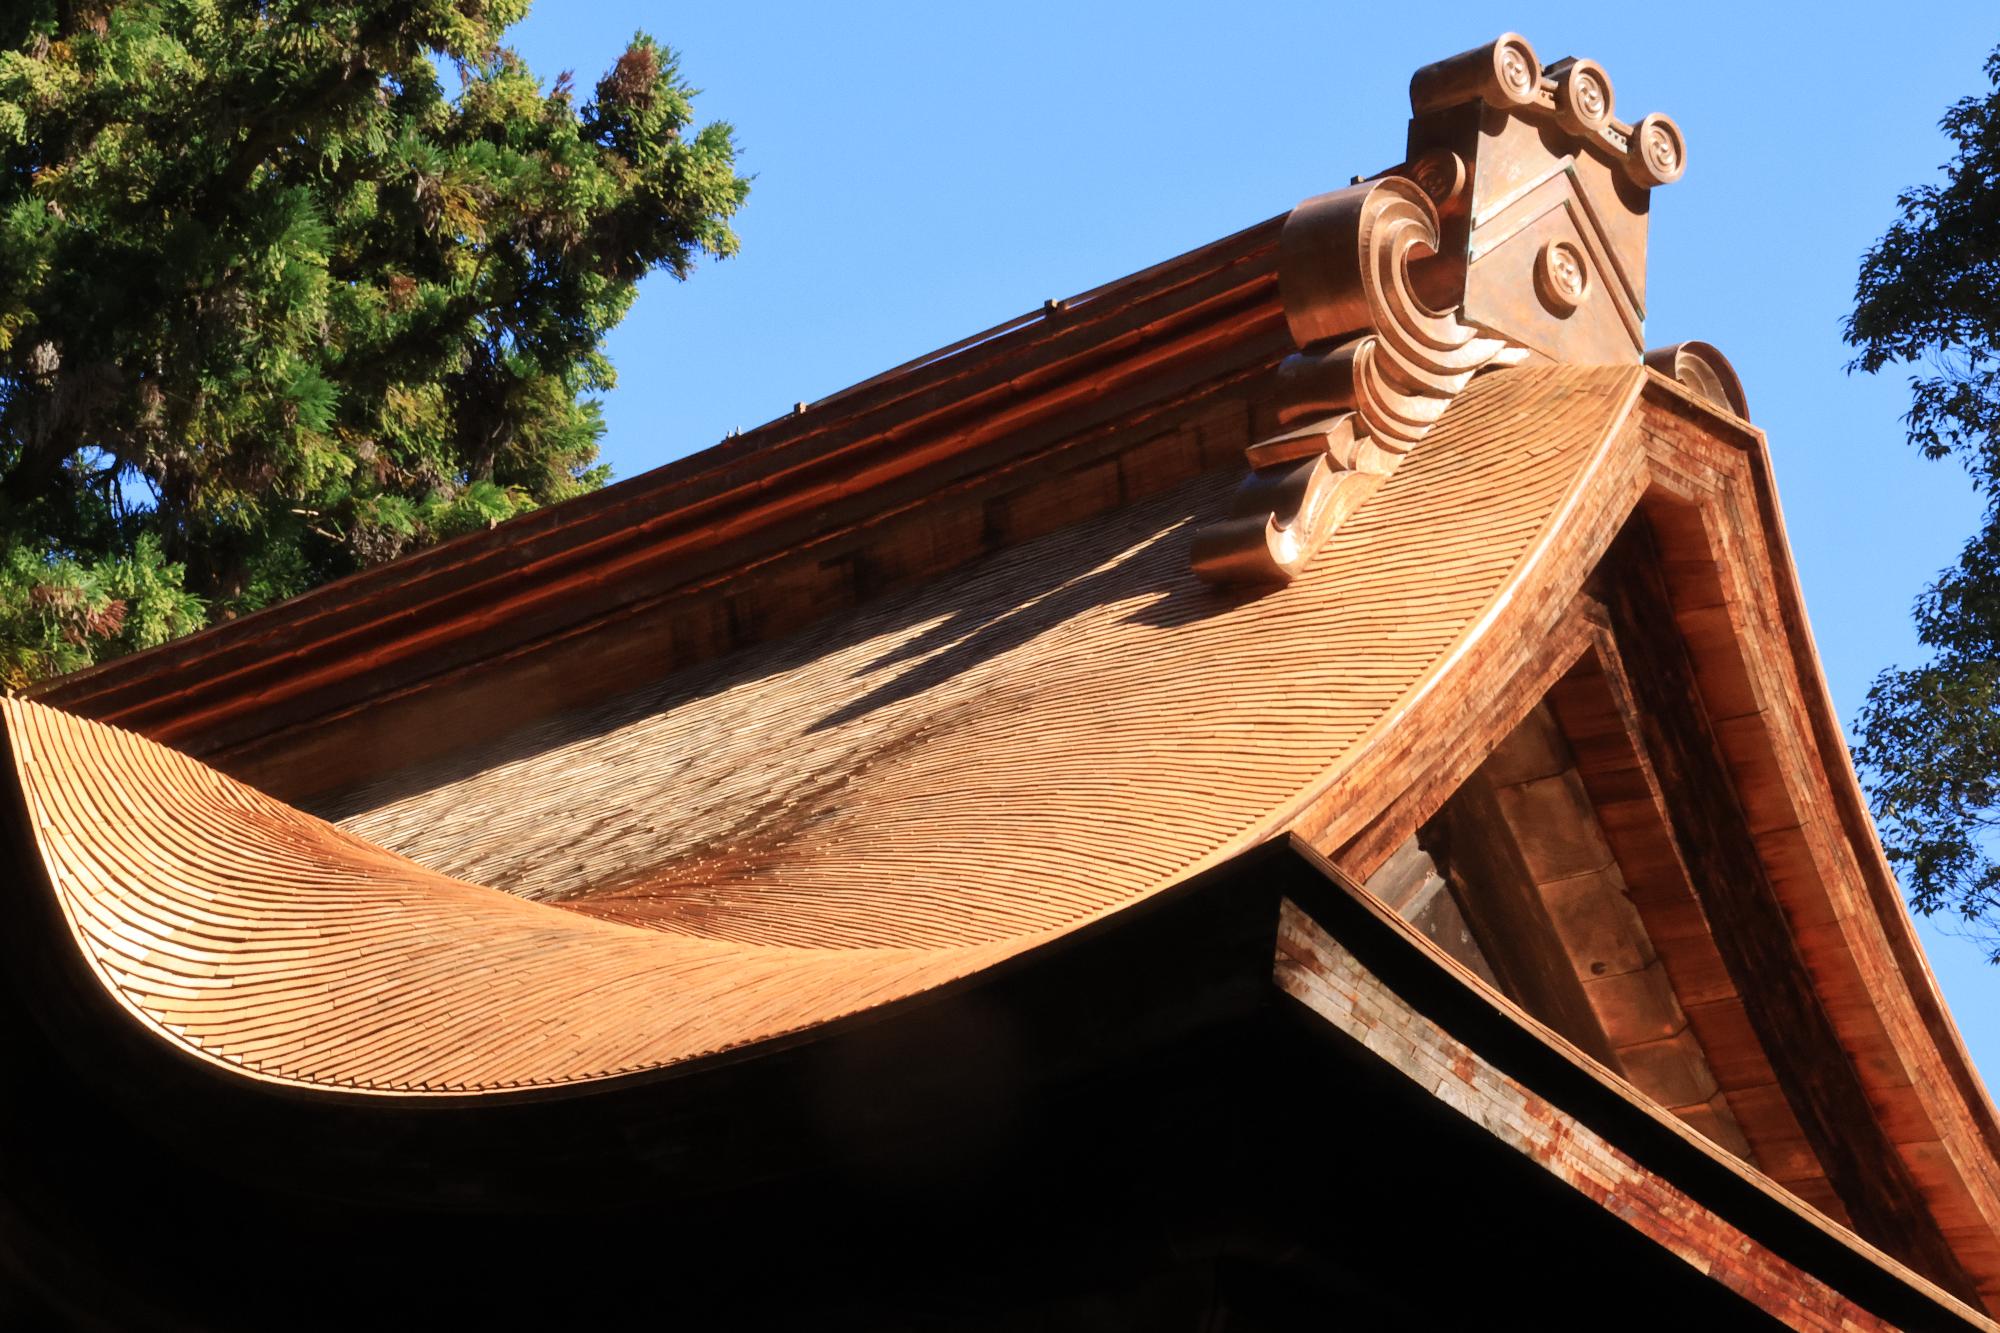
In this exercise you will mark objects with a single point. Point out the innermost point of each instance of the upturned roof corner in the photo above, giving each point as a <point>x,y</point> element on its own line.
<point>1513,231</point>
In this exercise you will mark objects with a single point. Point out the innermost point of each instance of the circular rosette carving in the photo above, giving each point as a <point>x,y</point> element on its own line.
<point>1503,73</point>
<point>1562,276</point>
<point>1583,97</point>
<point>1516,72</point>
<point>1655,153</point>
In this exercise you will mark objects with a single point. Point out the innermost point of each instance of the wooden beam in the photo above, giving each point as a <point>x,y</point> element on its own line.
<point>1354,966</point>
<point>1750,929</point>
<point>1508,917</point>
<point>1318,971</point>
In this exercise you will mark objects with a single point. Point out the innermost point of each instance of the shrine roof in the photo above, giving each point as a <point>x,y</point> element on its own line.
<point>877,806</point>
<point>1281,538</point>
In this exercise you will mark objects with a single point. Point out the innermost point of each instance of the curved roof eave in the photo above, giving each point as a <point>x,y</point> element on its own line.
<point>274,946</point>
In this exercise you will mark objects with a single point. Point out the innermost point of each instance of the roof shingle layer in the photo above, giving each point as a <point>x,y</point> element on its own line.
<point>871,808</point>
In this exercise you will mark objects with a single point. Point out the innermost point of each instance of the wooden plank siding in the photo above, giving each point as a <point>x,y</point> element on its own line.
<point>1530,802</point>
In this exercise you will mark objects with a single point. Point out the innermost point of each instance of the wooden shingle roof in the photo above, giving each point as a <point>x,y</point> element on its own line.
<point>1279,540</point>
<point>836,821</point>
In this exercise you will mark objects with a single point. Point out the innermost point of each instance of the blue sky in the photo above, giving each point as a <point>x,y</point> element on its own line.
<point>924,171</point>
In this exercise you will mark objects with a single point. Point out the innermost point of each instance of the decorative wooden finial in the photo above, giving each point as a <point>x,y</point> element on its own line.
<point>1575,95</point>
<point>1376,366</point>
<point>1515,230</point>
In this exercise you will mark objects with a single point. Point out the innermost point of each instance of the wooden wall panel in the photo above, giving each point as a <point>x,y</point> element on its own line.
<point>1594,706</point>
<point>1562,915</point>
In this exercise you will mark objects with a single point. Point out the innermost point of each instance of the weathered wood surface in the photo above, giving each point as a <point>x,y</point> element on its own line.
<point>1411,884</point>
<point>1703,479</point>
<point>1316,970</point>
<point>1355,966</point>
<point>1568,921</point>
<point>1506,908</point>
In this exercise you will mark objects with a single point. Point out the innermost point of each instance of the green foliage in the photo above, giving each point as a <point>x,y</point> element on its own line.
<point>58,615</point>
<point>1929,297</point>
<point>276,306</point>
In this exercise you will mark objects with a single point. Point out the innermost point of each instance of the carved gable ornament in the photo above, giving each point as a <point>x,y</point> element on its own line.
<point>1515,231</point>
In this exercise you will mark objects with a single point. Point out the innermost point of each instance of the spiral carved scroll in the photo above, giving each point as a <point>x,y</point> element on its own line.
<point>1703,371</point>
<point>1375,369</point>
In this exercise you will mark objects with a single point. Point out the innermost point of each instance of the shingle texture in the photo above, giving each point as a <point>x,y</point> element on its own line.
<point>874,806</point>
